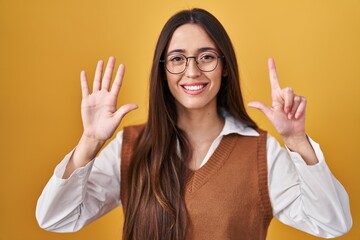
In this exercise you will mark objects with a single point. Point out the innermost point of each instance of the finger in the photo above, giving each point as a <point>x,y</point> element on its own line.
<point>288,95</point>
<point>296,103</point>
<point>97,77</point>
<point>115,89</point>
<point>84,84</point>
<point>262,107</point>
<point>274,82</point>
<point>123,110</point>
<point>108,73</point>
<point>301,109</point>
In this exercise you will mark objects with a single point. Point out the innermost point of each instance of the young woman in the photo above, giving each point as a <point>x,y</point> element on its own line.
<point>199,168</point>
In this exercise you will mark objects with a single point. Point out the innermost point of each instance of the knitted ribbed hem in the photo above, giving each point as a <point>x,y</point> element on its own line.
<point>263,176</point>
<point>130,135</point>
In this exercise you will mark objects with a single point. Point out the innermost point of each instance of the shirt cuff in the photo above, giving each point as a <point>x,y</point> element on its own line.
<point>298,160</point>
<point>79,173</point>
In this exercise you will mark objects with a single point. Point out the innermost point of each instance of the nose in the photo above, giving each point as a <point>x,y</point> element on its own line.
<point>192,69</point>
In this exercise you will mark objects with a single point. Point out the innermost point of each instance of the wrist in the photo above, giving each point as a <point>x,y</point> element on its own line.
<point>91,141</point>
<point>86,150</point>
<point>301,144</point>
<point>90,145</point>
<point>295,141</point>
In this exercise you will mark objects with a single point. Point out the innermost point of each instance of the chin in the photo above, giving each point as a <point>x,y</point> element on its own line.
<point>192,106</point>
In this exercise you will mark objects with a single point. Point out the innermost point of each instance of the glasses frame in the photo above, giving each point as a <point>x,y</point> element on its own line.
<point>195,59</point>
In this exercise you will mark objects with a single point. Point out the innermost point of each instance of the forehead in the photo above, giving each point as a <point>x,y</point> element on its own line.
<point>190,38</point>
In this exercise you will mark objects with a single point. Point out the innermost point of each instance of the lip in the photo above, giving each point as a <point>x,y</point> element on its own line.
<point>194,88</point>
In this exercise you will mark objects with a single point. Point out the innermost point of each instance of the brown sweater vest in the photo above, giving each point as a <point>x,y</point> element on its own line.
<point>228,197</point>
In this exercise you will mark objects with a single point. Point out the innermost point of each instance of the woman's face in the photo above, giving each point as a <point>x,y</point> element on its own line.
<point>194,89</point>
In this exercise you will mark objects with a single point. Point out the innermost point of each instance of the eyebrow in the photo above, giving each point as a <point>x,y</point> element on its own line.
<point>205,49</point>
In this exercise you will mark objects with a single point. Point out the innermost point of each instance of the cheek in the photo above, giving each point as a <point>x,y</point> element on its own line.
<point>172,81</point>
<point>218,77</point>
<point>171,78</point>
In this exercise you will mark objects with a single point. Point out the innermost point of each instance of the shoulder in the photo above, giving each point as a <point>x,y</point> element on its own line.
<point>233,125</point>
<point>262,132</point>
<point>138,127</point>
<point>133,130</point>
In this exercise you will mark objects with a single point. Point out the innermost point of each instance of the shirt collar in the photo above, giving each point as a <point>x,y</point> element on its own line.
<point>233,125</point>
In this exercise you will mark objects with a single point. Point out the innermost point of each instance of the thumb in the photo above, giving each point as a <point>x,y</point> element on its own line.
<point>123,110</point>
<point>262,107</point>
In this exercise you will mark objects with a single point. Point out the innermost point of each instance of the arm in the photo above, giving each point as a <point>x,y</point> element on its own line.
<point>308,198</point>
<point>67,205</point>
<point>303,191</point>
<point>99,114</point>
<point>85,197</point>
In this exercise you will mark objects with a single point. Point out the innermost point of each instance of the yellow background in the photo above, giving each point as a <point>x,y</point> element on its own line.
<point>44,45</point>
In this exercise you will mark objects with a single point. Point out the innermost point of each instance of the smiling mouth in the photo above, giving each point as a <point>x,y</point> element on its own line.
<point>194,87</point>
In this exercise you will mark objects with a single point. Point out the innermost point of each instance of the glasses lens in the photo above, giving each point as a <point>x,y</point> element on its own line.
<point>176,63</point>
<point>206,61</point>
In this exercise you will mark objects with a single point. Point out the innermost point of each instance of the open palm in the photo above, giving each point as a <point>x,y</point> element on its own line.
<point>99,112</point>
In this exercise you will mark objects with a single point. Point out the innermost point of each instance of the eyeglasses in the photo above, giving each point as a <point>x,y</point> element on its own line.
<point>177,63</point>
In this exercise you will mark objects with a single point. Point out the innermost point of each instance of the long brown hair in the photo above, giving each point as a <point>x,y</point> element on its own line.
<point>156,206</point>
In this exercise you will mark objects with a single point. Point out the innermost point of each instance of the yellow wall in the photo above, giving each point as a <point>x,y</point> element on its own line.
<point>44,45</point>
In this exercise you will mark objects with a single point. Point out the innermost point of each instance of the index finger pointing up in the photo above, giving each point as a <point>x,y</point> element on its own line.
<point>274,82</point>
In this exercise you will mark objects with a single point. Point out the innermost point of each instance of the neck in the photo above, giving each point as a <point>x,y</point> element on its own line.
<point>200,125</point>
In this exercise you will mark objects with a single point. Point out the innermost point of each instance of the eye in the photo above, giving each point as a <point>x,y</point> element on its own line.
<point>176,58</point>
<point>207,57</point>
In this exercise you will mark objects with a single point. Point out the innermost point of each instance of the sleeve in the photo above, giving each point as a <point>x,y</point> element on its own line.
<point>67,205</point>
<point>308,198</point>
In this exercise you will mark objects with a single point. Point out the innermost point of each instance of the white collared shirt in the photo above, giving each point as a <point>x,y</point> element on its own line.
<point>305,197</point>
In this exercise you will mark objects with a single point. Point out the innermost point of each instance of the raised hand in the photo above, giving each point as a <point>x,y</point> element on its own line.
<point>99,113</point>
<point>287,113</point>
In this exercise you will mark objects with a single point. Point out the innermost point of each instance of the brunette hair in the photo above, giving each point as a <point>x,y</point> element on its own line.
<point>155,206</point>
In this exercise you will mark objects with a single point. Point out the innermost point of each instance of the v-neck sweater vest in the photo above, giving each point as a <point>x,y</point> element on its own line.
<point>228,197</point>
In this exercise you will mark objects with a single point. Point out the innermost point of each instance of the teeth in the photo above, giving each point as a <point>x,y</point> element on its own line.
<point>194,87</point>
